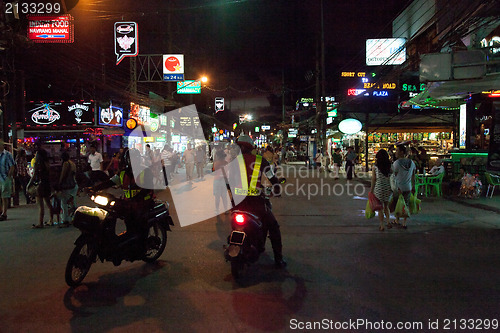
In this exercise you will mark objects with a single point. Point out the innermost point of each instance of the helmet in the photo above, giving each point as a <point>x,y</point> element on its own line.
<point>245,140</point>
<point>129,157</point>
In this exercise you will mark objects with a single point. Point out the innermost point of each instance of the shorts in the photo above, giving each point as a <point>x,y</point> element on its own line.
<point>6,188</point>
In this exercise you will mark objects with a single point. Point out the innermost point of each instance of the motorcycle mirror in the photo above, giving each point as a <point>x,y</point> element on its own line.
<point>282,180</point>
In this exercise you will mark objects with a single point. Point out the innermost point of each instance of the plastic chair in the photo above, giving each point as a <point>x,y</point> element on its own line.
<point>420,181</point>
<point>435,182</point>
<point>493,181</point>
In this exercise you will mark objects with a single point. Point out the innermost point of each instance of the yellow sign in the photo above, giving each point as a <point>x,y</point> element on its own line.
<point>353,74</point>
<point>149,139</point>
<point>386,85</point>
<point>131,123</point>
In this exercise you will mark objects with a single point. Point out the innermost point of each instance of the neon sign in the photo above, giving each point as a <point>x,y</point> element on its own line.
<point>355,92</point>
<point>380,93</point>
<point>45,116</point>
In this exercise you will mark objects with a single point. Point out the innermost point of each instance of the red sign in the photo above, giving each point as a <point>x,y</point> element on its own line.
<point>51,29</point>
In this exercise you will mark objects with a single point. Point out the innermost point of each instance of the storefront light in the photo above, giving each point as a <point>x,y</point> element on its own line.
<point>350,126</point>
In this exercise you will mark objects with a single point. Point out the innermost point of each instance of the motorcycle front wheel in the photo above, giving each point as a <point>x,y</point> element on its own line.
<point>156,240</point>
<point>79,263</point>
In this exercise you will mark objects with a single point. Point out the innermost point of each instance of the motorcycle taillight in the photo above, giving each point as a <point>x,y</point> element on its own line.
<point>239,218</point>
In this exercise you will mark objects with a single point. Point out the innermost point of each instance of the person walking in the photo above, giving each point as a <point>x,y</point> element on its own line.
<point>68,187</point>
<point>220,189</point>
<point>337,162</point>
<point>350,159</point>
<point>42,176</point>
<point>189,159</point>
<point>7,167</point>
<point>95,160</point>
<point>404,171</point>
<point>167,160</point>
<point>113,165</point>
<point>22,178</point>
<point>200,160</point>
<point>381,185</point>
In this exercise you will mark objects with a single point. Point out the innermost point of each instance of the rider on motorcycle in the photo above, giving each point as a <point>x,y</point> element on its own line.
<point>254,167</point>
<point>138,199</point>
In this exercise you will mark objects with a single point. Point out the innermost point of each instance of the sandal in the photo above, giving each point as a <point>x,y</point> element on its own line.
<point>381,228</point>
<point>36,226</point>
<point>394,223</point>
<point>388,225</point>
<point>47,224</point>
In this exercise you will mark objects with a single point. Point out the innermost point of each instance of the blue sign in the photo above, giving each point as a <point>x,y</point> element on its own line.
<point>173,77</point>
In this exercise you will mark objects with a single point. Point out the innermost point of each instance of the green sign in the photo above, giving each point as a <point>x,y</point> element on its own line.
<point>189,87</point>
<point>160,139</point>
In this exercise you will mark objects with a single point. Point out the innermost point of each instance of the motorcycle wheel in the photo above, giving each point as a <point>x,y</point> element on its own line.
<point>236,268</point>
<point>156,240</point>
<point>79,263</point>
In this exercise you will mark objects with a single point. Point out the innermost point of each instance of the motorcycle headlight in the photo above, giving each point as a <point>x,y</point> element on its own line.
<point>101,200</point>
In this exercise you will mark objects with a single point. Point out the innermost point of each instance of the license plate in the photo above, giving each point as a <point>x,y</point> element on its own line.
<point>237,237</point>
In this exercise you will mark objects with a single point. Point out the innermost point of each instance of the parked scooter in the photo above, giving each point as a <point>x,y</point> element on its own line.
<point>248,236</point>
<point>99,240</point>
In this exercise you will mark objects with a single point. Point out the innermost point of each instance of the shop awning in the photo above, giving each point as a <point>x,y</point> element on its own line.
<point>113,131</point>
<point>452,93</point>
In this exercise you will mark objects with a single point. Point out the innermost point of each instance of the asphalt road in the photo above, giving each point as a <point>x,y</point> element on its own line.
<point>343,274</point>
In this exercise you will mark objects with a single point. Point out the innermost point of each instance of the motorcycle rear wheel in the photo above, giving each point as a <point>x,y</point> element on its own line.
<point>79,263</point>
<point>156,240</point>
<point>236,268</point>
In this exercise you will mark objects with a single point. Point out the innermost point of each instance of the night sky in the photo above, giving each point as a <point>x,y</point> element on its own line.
<point>236,43</point>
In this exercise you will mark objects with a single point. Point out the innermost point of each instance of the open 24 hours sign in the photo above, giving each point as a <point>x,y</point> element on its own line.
<point>59,114</point>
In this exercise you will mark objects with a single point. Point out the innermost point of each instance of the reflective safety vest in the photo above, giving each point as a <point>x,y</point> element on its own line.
<point>127,189</point>
<point>246,189</point>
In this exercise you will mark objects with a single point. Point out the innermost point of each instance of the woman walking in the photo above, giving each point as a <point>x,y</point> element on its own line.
<point>42,176</point>
<point>68,187</point>
<point>381,185</point>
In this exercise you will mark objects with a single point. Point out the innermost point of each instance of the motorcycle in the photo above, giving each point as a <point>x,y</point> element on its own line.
<point>98,238</point>
<point>248,236</point>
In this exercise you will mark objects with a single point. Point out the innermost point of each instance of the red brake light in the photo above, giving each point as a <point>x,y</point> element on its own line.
<point>239,218</point>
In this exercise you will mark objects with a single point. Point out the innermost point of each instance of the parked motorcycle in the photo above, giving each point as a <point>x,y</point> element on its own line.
<point>98,238</point>
<point>248,236</point>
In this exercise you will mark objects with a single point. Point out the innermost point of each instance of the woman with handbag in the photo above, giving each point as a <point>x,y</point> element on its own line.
<point>41,176</point>
<point>381,186</point>
<point>68,187</point>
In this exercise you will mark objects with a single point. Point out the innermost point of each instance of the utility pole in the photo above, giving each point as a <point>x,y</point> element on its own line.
<point>283,94</point>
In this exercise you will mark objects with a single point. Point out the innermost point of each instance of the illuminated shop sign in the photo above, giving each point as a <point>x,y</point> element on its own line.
<point>112,116</point>
<point>462,126</point>
<point>51,29</point>
<point>60,113</point>
<point>388,51</point>
<point>386,85</point>
<point>413,87</point>
<point>380,93</point>
<point>353,74</point>
<point>140,113</point>
<point>126,40</point>
<point>355,92</point>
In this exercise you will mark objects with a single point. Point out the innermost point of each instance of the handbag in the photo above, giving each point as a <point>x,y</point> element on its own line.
<point>33,188</point>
